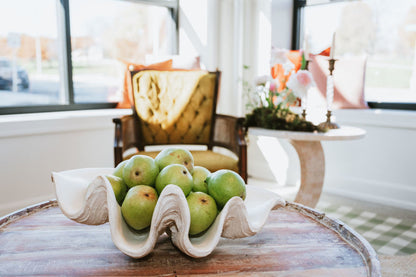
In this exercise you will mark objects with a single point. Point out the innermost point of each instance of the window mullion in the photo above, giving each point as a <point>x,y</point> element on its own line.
<point>175,29</point>
<point>64,32</point>
<point>297,22</point>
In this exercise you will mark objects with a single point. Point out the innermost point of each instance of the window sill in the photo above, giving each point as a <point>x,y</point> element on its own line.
<point>55,122</point>
<point>377,117</point>
<point>392,105</point>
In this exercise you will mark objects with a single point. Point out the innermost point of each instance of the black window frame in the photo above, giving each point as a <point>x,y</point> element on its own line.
<point>298,6</point>
<point>64,20</point>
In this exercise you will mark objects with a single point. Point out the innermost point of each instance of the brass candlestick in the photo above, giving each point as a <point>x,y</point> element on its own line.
<point>304,98</point>
<point>307,64</point>
<point>329,98</point>
<point>304,113</point>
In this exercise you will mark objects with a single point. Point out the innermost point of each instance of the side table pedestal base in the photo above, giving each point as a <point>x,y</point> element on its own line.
<point>312,171</point>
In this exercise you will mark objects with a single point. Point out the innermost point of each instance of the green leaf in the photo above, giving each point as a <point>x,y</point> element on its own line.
<point>303,63</point>
<point>291,98</point>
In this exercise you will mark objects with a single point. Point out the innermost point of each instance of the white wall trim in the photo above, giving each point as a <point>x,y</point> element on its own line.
<point>378,117</point>
<point>373,191</point>
<point>57,122</point>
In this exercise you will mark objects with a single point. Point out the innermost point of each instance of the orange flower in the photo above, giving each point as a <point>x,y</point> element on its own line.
<point>278,71</point>
<point>325,52</point>
<point>295,56</point>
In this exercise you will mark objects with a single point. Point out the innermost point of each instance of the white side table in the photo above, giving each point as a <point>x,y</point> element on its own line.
<point>311,156</point>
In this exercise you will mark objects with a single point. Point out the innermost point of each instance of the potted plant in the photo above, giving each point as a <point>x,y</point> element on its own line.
<point>272,98</point>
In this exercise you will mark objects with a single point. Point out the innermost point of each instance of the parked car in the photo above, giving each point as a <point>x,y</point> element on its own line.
<point>6,75</point>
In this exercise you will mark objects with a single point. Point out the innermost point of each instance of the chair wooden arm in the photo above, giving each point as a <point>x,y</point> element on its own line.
<point>118,142</point>
<point>242,144</point>
<point>229,133</point>
<point>125,136</point>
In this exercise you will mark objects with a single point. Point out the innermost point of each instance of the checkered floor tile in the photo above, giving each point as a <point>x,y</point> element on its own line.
<point>388,235</point>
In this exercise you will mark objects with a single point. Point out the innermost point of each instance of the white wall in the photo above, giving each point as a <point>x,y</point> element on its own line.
<point>228,34</point>
<point>34,145</point>
<point>281,19</point>
<point>378,168</point>
<point>198,30</point>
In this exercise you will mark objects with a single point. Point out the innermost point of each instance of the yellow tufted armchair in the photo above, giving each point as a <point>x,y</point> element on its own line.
<point>178,107</point>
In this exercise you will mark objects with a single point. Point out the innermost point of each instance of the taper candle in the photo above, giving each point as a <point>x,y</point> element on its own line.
<point>332,47</point>
<point>329,92</point>
<point>306,46</point>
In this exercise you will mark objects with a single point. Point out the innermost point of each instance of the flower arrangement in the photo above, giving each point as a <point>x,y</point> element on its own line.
<point>269,103</point>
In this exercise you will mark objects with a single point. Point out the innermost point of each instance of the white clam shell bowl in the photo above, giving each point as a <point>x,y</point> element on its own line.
<point>86,196</point>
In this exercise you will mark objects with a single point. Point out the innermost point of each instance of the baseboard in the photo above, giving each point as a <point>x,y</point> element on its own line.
<point>7,208</point>
<point>389,194</point>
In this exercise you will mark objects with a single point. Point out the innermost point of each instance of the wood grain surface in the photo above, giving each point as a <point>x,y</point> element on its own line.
<point>296,241</point>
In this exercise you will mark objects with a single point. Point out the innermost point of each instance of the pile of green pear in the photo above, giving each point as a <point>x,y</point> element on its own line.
<point>138,182</point>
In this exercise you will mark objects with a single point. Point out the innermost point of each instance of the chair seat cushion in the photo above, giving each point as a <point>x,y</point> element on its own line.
<point>211,160</point>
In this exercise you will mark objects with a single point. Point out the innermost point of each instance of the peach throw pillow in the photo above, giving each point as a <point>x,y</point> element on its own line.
<point>178,61</point>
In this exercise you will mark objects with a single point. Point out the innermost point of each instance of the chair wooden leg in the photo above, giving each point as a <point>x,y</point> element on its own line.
<point>118,151</point>
<point>243,165</point>
<point>118,156</point>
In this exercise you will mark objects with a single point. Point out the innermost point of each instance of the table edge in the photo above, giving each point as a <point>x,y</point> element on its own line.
<point>13,216</point>
<point>345,232</point>
<point>309,136</point>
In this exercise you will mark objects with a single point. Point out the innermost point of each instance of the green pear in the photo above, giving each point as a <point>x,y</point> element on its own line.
<point>225,184</point>
<point>174,155</point>
<point>203,210</point>
<point>118,171</point>
<point>119,187</point>
<point>138,206</point>
<point>140,170</point>
<point>175,174</point>
<point>199,176</point>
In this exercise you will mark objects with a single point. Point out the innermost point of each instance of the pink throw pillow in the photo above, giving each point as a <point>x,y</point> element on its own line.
<point>349,80</point>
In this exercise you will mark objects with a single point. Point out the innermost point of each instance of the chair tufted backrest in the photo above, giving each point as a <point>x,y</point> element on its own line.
<point>175,107</point>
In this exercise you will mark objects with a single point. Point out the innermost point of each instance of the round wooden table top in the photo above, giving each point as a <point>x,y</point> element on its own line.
<point>295,241</point>
<point>343,133</point>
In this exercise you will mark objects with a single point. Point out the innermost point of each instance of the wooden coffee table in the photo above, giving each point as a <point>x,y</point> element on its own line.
<point>311,156</point>
<point>296,241</point>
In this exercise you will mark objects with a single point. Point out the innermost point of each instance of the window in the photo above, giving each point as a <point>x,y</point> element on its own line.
<point>68,54</point>
<point>29,72</point>
<point>383,30</point>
